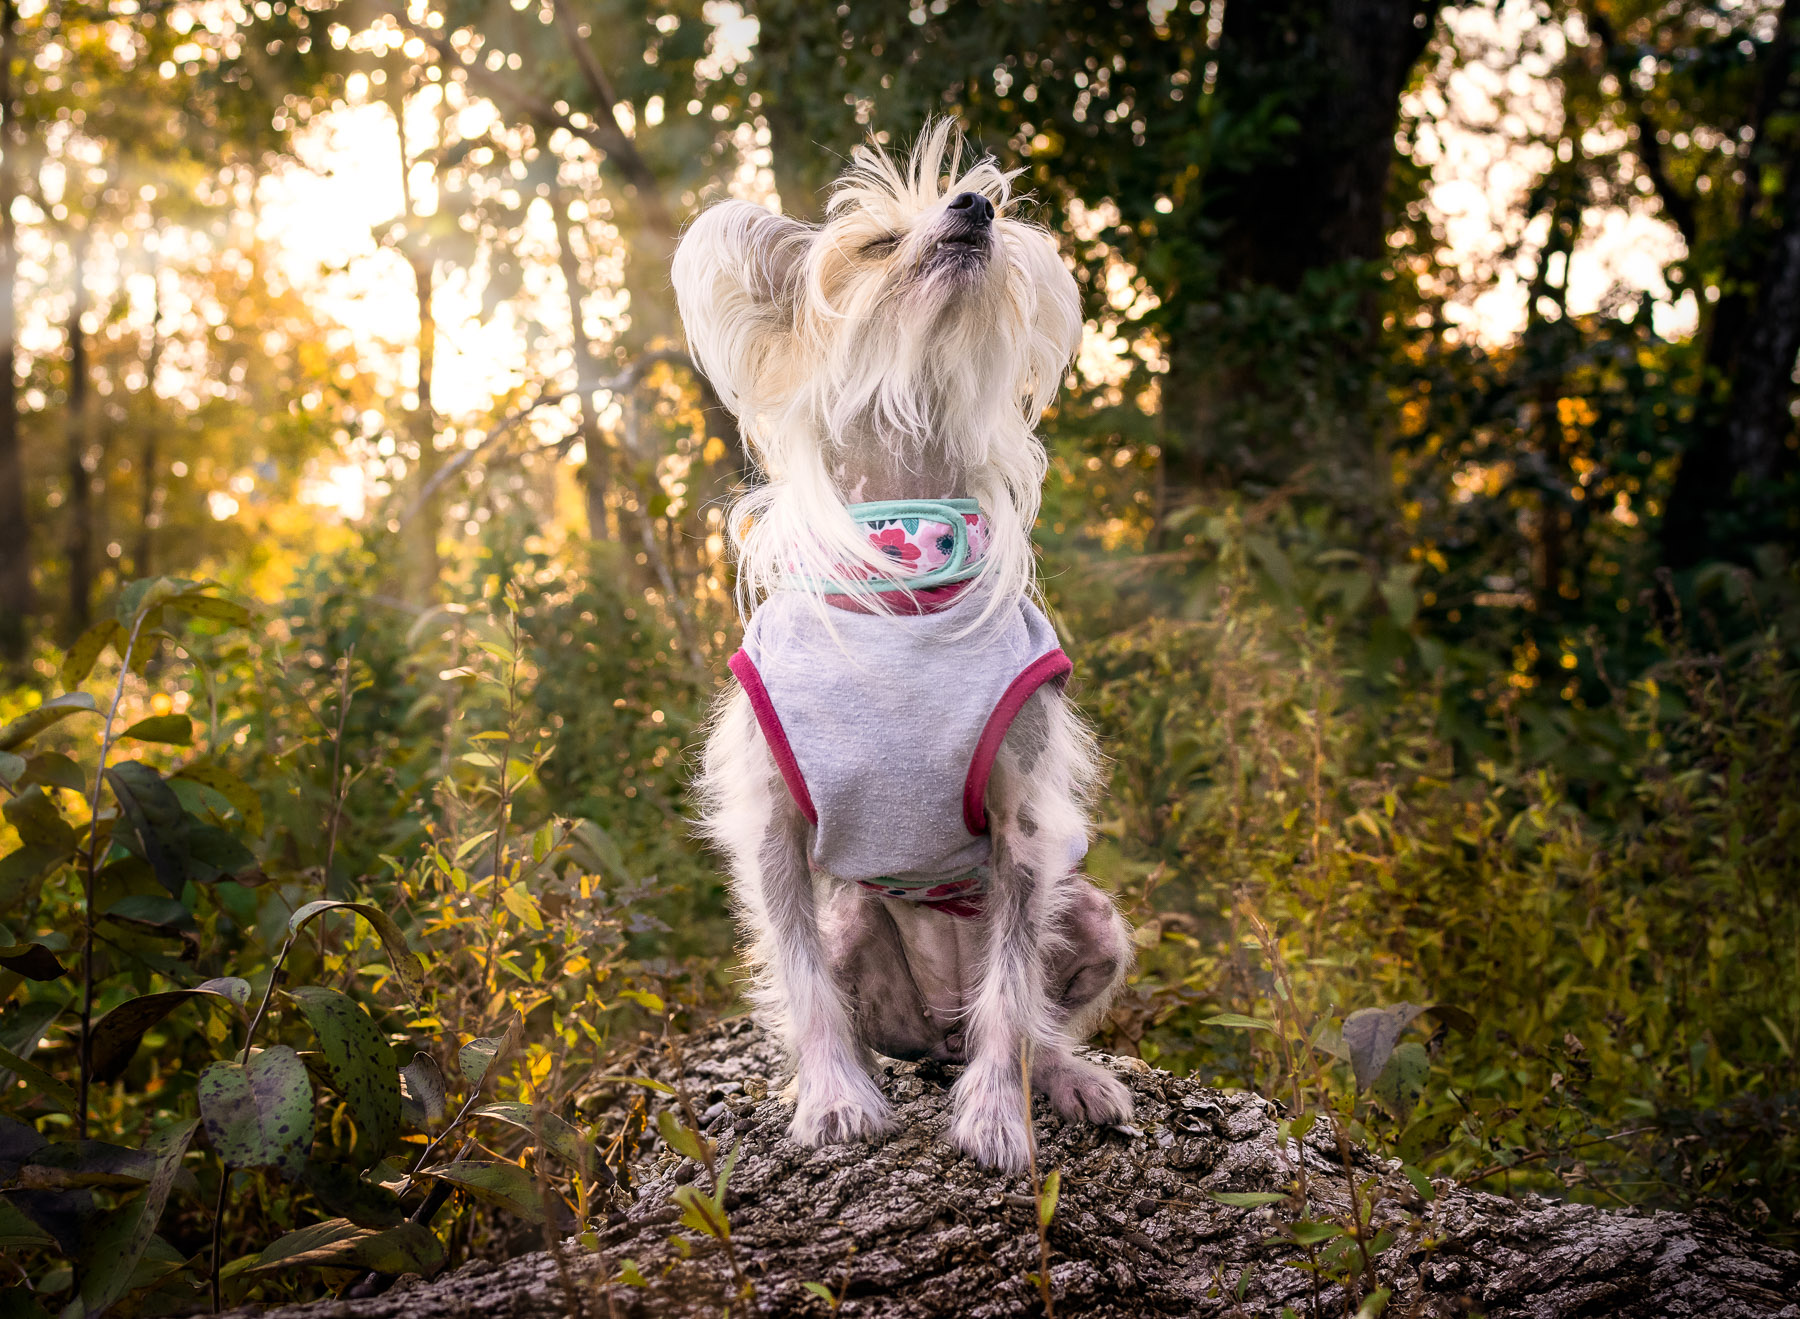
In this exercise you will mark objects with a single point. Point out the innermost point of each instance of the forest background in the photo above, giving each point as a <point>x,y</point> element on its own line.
<point>1421,519</point>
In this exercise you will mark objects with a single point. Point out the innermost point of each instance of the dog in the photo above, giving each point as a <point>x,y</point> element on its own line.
<point>896,779</point>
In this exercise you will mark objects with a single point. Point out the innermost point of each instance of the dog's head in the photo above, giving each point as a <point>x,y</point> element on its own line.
<point>922,329</point>
<point>920,312</point>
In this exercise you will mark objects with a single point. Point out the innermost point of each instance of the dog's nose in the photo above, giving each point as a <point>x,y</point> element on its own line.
<point>972,206</point>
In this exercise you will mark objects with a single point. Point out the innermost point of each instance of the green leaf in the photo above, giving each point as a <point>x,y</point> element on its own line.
<point>120,1243</point>
<point>38,1080</point>
<point>67,1164</point>
<point>1374,1304</point>
<point>504,1184</point>
<point>679,1138</point>
<point>79,659</point>
<point>343,1191</point>
<point>22,873</point>
<point>360,1062</point>
<point>18,1232</point>
<point>1370,1034</point>
<point>151,911</point>
<point>154,813</point>
<point>475,1057</point>
<point>651,1003</point>
<point>52,769</point>
<point>172,729</point>
<point>1249,1199</point>
<point>33,961</point>
<point>1420,1182</point>
<point>630,1274</point>
<point>1048,1196</point>
<point>649,1083</point>
<point>1307,1232</point>
<point>339,1244</point>
<point>50,713</point>
<point>259,1114</point>
<point>22,1028</point>
<point>12,768</point>
<point>1402,1081</point>
<point>38,821</point>
<point>210,853</point>
<point>424,1096</point>
<point>550,1131</point>
<point>115,1036</point>
<point>596,851</point>
<point>1237,1021</point>
<point>244,798</point>
<point>823,1292</point>
<point>409,968</point>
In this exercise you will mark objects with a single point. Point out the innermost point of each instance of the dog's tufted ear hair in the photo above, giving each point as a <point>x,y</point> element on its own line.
<point>735,275</point>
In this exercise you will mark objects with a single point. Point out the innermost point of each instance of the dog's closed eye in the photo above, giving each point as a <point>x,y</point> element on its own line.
<point>880,246</point>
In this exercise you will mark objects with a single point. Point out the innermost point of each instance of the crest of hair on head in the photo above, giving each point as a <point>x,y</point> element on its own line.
<point>840,344</point>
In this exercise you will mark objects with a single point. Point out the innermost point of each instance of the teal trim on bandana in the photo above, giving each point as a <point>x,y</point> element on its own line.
<point>949,512</point>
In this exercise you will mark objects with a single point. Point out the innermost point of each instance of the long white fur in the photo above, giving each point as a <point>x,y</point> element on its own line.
<point>831,351</point>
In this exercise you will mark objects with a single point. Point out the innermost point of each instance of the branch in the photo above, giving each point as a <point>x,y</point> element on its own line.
<point>1676,204</point>
<point>626,379</point>
<point>602,133</point>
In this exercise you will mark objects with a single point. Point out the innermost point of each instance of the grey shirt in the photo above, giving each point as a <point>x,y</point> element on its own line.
<point>886,732</point>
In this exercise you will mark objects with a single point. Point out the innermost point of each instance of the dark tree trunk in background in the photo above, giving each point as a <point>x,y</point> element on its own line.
<point>1721,503</point>
<point>80,420</point>
<point>1269,371</point>
<point>1317,195</point>
<point>15,531</point>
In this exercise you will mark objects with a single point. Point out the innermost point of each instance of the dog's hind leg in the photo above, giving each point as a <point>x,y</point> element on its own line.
<point>750,815</point>
<point>868,959</point>
<point>1035,811</point>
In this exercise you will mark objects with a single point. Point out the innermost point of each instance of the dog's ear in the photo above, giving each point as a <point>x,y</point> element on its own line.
<point>735,273</point>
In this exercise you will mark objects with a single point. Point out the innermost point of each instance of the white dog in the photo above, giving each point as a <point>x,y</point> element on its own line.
<point>897,779</point>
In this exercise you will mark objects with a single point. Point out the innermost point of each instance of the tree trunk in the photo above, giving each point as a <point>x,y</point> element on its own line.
<point>596,473</point>
<point>1317,196</point>
<point>420,552</point>
<point>1267,373</point>
<point>15,529</point>
<point>80,439</point>
<point>1719,504</point>
<point>910,1228</point>
<point>150,493</point>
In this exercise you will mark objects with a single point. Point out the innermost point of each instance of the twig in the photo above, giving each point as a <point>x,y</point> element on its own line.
<point>1037,1189</point>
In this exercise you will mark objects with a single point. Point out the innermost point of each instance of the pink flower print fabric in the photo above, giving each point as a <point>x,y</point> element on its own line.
<point>924,545</point>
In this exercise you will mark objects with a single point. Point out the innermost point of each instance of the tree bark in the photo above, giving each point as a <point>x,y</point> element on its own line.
<point>80,438</point>
<point>15,529</point>
<point>910,1228</point>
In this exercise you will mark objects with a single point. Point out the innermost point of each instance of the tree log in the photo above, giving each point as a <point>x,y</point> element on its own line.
<point>911,1228</point>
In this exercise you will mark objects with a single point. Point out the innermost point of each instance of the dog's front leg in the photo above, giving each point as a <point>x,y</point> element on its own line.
<point>1036,815</point>
<point>749,814</point>
<point>837,1100</point>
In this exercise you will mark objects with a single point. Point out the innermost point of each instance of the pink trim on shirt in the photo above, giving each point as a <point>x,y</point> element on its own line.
<point>907,603</point>
<point>1045,668</point>
<point>744,668</point>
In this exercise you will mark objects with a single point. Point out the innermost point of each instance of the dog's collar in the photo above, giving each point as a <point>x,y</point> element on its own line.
<point>903,519</point>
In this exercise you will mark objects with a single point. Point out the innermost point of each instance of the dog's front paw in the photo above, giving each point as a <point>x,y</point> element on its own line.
<point>988,1123</point>
<point>842,1107</point>
<point>1083,1092</point>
